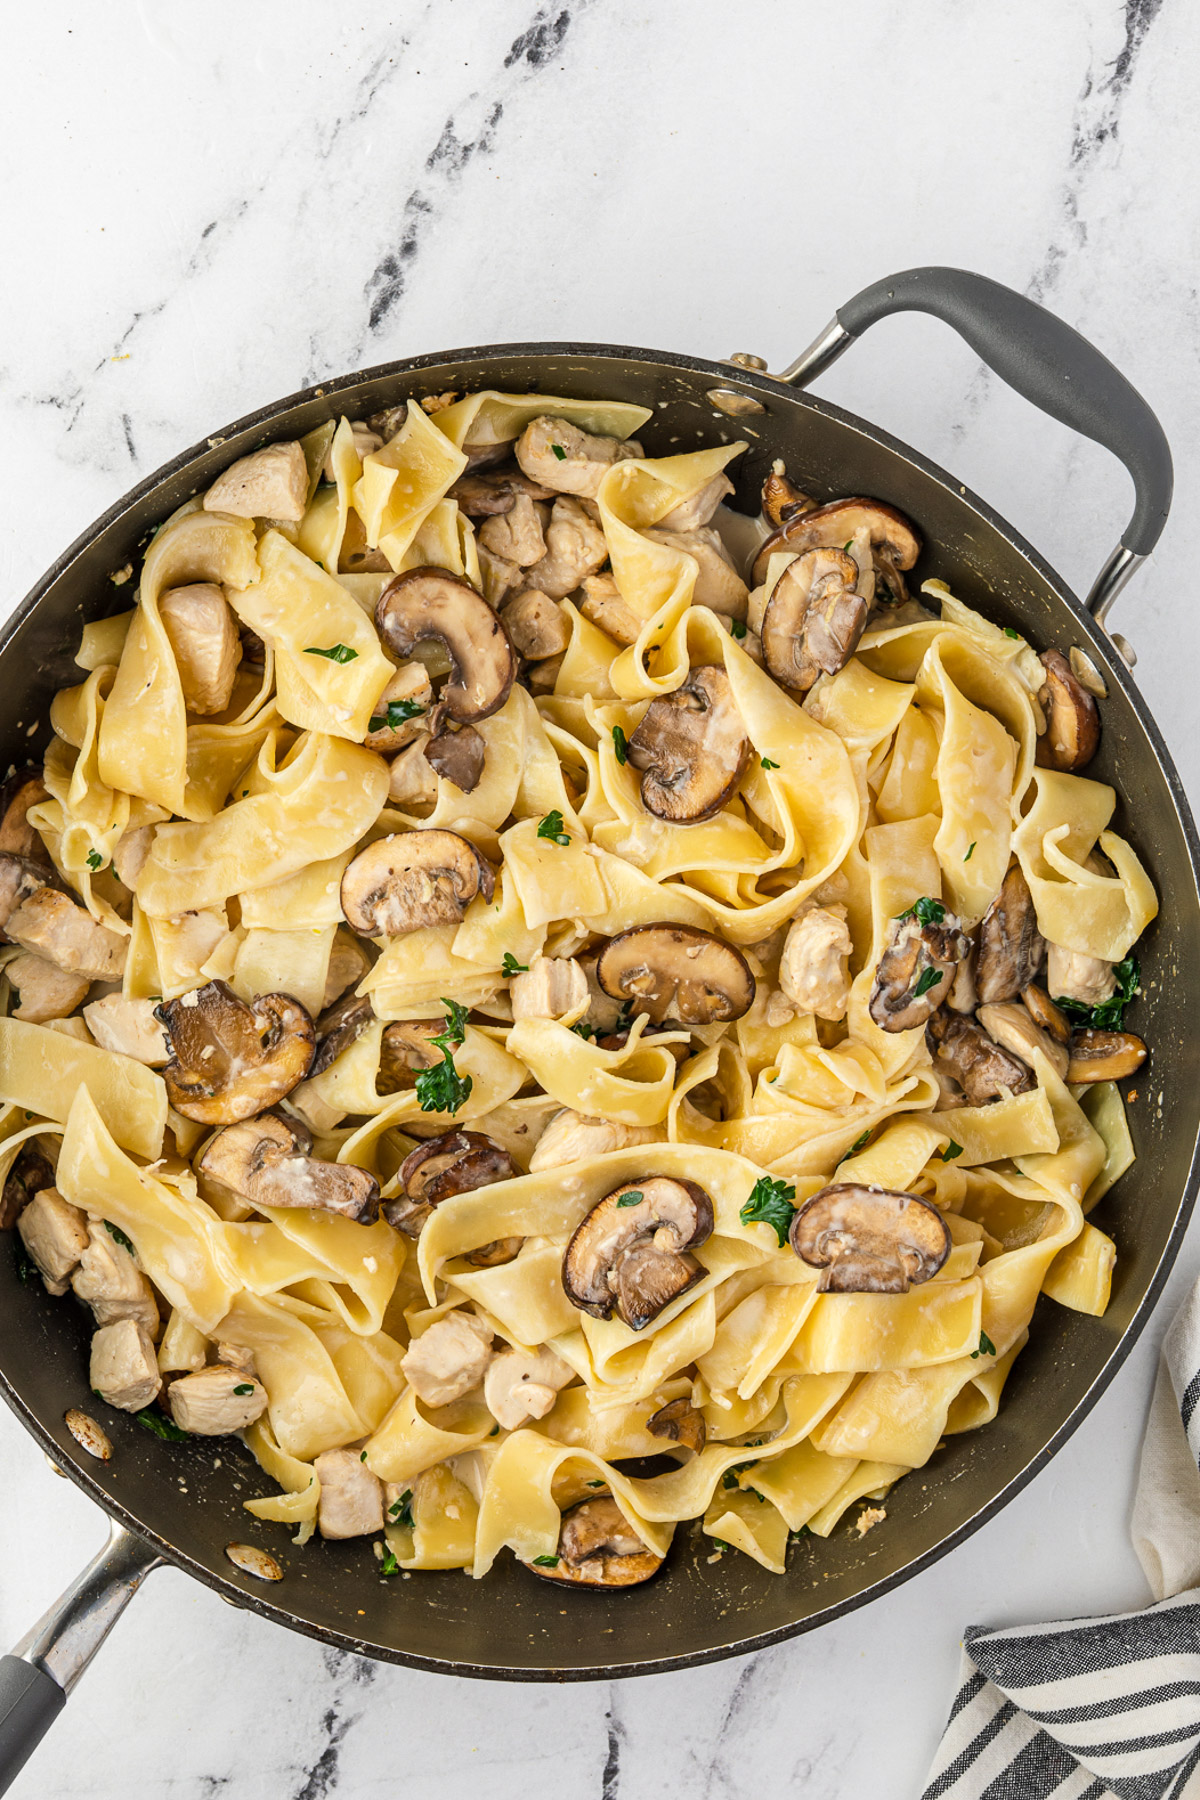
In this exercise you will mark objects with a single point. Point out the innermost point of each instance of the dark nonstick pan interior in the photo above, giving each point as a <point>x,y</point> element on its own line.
<point>512,1625</point>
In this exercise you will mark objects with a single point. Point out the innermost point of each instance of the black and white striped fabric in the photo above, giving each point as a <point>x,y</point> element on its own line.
<point>1101,1709</point>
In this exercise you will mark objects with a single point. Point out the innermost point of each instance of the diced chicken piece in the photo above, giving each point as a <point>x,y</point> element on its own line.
<point>351,1503</point>
<point>449,1359</point>
<point>814,968</point>
<point>123,1368</point>
<point>575,548</point>
<point>111,1283</point>
<point>366,442</point>
<point>73,1027</point>
<point>499,577</point>
<point>55,1234</point>
<point>603,605</point>
<point>698,508</point>
<point>409,687</point>
<point>203,636</point>
<point>517,534</point>
<point>268,484</point>
<point>237,1356</point>
<point>552,988</point>
<point>318,1114</point>
<point>216,1401</point>
<point>718,583</point>
<point>561,456</point>
<point>1072,976</point>
<point>411,778</point>
<point>519,1387</point>
<point>778,1009</point>
<point>52,926</point>
<point>348,963</point>
<point>129,1028</point>
<point>537,625</point>
<point>574,1137</point>
<point>45,991</point>
<point>129,857</point>
<point>543,676</point>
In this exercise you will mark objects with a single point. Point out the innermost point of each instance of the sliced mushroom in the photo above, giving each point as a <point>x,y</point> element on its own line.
<point>813,619</point>
<point>520,1386</point>
<point>814,967</point>
<point>216,1401</point>
<point>265,1160</point>
<point>552,988</point>
<point>964,993</point>
<point>598,1548</point>
<point>576,1137</point>
<point>516,534</point>
<point>457,754</point>
<point>691,748</point>
<point>230,1060</point>
<point>559,455</point>
<point>497,577</point>
<point>43,989</point>
<point>408,689</point>
<point>630,1254</point>
<point>1072,734</point>
<point>406,1048</point>
<point>1073,975</point>
<point>825,527</point>
<point>984,1071</point>
<point>602,604</point>
<point>23,789</point>
<point>1010,1025</point>
<point>718,584</point>
<point>428,603</point>
<point>1011,948</point>
<point>411,780</point>
<point>413,879</point>
<point>339,1026</point>
<point>31,1172</point>
<point>267,484</point>
<point>129,1028</point>
<point>203,636</point>
<point>680,1421</point>
<point>781,498</point>
<point>576,547</point>
<point>698,508</point>
<point>1105,1055</point>
<point>490,495</point>
<point>53,926</point>
<point>349,961</point>
<point>676,972</point>
<point>20,877</point>
<point>869,1240</point>
<point>1050,1018</point>
<point>537,625</point>
<point>916,971</point>
<point>457,1162</point>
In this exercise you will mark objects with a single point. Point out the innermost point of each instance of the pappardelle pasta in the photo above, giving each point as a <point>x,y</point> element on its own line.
<point>552,1008</point>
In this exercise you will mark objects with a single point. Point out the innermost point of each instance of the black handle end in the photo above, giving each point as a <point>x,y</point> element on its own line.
<point>30,1701</point>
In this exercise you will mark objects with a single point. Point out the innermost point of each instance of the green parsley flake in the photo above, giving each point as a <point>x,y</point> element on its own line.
<point>442,1088</point>
<point>768,764</point>
<point>95,860</point>
<point>582,1029</point>
<point>247,1387</point>
<point>25,1267</point>
<point>160,1426</point>
<point>970,852</point>
<point>399,712</point>
<point>1109,1015</point>
<point>737,629</point>
<point>929,978</point>
<point>860,1141</point>
<point>562,457</point>
<point>455,1029</point>
<point>551,828</point>
<point>986,1347</point>
<point>116,1232</point>
<point>596,1484</point>
<point>1011,631</point>
<point>362,1457</point>
<point>632,1198</point>
<point>925,911</point>
<point>495,1431</point>
<point>338,653</point>
<point>510,966</point>
<point>388,1564</point>
<point>951,1151</point>
<point>400,1511</point>
<point>546,1562</point>
<point>620,744</point>
<point>770,1203</point>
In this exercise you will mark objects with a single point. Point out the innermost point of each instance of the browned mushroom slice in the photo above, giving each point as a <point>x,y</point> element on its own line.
<point>838,522</point>
<point>869,1240</point>
<point>916,970</point>
<point>485,496</point>
<point>457,1162</point>
<point>1072,734</point>
<point>20,877</point>
<point>1042,1010</point>
<point>266,1161</point>
<point>1105,1055</point>
<point>1010,1025</point>
<point>814,618</point>
<point>23,789</point>
<point>691,748</point>
<point>1011,948</point>
<point>629,1255</point>
<point>30,1174</point>
<point>413,879</point>
<point>339,1026</point>
<point>680,1421</point>
<point>458,756</point>
<point>597,1548</point>
<point>405,1049</point>
<point>676,972</point>
<point>984,1071</point>
<point>781,498</point>
<point>430,603</point>
<point>230,1060</point>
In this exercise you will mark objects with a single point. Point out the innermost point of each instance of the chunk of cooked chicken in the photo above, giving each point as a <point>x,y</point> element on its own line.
<point>55,1234</point>
<point>449,1359</point>
<point>216,1401</point>
<point>814,968</point>
<point>412,780</point>
<point>575,548</point>
<point>236,1356</point>
<point>561,456</point>
<point>267,484</point>
<point>516,535</point>
<point>1070,975</point>
<point>351,1502</point>
<point>44,990</point>
<point>552,988</point>
<point>536,624</point>
<point>409,687</point>
<point>111,1283</point>
<point>574,1137</point>
<point>601,603</point>
<point>52,926</point>
<point>498,577</point>
<point>698,508</point>
<point>366,442</point>
<point>129,857</point>
<point>348,963</point>
<point>129,1028</point>
<point>203,636</point>
<point>123,1369</point>
<point>718,583</point>
<point>19,878</point>
<point>519,1386</point>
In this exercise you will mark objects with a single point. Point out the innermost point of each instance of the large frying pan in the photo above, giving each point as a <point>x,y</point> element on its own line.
<point>511,1626</point>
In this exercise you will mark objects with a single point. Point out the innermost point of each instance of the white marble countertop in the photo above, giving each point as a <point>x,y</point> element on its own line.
<point>207,207</point>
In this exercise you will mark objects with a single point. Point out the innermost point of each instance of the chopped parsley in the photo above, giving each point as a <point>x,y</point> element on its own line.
<point>455,1029</point>
<point>510,966</point>
<point>951,1151</point>
<point>770,1203</point>
<point>247,1387</point>
<point>400,1511</point>
<point>388,1564</point>
<point>720,1544</point>
<point>632,1198</point>
<point>846,548</point>
<point>925,911</point>
<point>737,629</point>
<point>596,1484</point>
<point>582,1029</point>
<point>442,1088</point>
<point>26,1268</point>
<point>116,1232</point>
<point>546,1562</point>
<point>971,851</point>
<point>338,653</point>
<point>494,1432</point>
<point>159,1425</point>
<point>1011,631</point>
<point>399,712</point>
<point>95,860</point>
<point>730,1477</point>
<point>768,764</point>
<point>620,744</point>
<point>562,457</point>
<point>986,1347</point>
<point>860,1141</point>
<point>802,1531</point>
<point>1109,1015</point>
<point>551,828</point>
<point>362,1457</point>
<point>927,979</point>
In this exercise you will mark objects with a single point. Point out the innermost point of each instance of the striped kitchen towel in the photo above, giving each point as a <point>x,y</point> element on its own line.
<point>1101,1709</point>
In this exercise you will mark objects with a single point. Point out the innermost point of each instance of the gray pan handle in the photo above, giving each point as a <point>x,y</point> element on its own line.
<point>43,1668</point>
<point>1046,361</point>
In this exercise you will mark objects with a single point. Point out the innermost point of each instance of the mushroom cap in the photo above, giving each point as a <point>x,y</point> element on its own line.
<point>458,756</point>
<point>339,1026</point>
<point>678,972</point>
<point>632,1259</point>
<point>266,1161</point>
<point>1042,1010</point>
<point>835,524</point>
<point>230,1060</point>
<point>691,747</point>
<point>406,1048</point>
<point>457,1162</point>
<point>1105,1055</point>
<point>982,1068</point>
<point>813,619</point>
<point>916,956</point>
<point>782,499</point>
<point>413,879</point>
<point>598,1548</point>
<point>1013,1027</point>
<point>1011,948</point>
<point>869,1240</point>
<point>237,1153</point>
<point>484,496</point>
<point>680,1421</point>
<point>431,603</point>
<point>1072,734</point>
